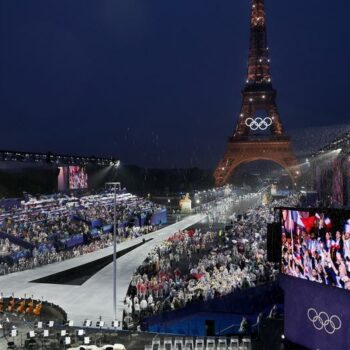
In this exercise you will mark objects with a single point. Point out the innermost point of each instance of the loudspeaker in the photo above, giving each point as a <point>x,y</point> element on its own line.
<point>274,242</point>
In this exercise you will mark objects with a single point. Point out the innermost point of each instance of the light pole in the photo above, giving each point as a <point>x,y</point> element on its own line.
<point>115,185</point>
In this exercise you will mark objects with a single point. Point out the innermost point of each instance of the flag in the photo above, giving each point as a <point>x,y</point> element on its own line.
<point>328,223</point>
<point>289,222</point>
<point>347,226</point>
<point>296,218</point>
<point>308,223</point>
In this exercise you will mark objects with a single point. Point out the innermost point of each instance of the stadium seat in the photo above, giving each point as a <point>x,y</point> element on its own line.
<point>148,347</point>
<point>199,344</point>
<point>107,347</point>
<point>119,347</point>
<point>11,345</point>
<point>178,343</point>
<point>189,345</point>
<point>246,343</point>
<point>222,344</point>
<point>156,343</point>
<point>234,343</point>
<point>168,343</point>
<point>210,344</point>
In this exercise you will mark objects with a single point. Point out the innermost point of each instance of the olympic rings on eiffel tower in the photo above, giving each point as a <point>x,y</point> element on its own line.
<point>258,123</point>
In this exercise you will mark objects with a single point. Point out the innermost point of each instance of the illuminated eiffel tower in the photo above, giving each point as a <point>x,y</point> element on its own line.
<point>259,131</point>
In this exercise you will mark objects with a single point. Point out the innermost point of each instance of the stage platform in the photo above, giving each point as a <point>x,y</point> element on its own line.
<point>93,298</point>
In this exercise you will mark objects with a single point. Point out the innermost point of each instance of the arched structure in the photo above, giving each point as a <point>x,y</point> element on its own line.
<point>238,153</point>
<point>259,132</point>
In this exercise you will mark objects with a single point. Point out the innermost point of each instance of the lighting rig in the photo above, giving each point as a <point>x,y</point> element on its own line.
<point>58,159</point>
<point>340,145</point>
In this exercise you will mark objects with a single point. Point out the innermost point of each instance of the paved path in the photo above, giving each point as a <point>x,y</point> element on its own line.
<point>94,297</point>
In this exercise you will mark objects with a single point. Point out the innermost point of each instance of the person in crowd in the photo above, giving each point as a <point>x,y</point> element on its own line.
<point>244,326</point>
<point>273,312</point>
<point>199,264</point>
<point>259,323</point>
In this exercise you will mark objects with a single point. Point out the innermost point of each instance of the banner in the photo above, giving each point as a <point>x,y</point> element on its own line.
<point>315,315</point>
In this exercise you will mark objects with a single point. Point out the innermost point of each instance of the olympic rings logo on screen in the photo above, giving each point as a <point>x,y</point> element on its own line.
<point>323,321</point>
<point>258,123</point>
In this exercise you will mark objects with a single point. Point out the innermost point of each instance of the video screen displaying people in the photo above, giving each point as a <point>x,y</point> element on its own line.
<point>77,178</point>
<point>316,246</point>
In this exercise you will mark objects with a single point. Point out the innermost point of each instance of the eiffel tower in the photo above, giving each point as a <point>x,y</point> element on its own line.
<point>259,133</point>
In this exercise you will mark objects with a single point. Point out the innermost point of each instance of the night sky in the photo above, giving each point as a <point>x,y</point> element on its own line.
<point>157,82</point>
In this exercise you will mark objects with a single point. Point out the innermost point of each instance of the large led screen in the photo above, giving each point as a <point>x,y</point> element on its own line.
<point>316,246</point>
<point>77,178</point>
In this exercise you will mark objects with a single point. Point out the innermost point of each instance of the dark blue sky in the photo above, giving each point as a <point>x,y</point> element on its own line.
<point>158,82</point>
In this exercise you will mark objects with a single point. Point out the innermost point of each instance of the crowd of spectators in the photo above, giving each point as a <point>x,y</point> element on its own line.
<point>318,252</point>
<point>41,221</point>
<point>201,263</point>
<point>35,232</point>
<point>37,258</point>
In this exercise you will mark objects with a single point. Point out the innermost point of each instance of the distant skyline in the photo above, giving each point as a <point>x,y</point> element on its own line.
<point>158,83</point>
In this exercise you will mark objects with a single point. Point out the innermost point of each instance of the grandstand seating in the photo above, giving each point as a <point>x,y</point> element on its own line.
<point>234,344</point>
<point>40,229</point>
<point>199,343</point>
<point>95,347</point>
<point>222,344</point>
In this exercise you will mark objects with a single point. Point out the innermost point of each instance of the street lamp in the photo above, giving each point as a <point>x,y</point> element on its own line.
<point>170,206</point>
<point>114,185</point>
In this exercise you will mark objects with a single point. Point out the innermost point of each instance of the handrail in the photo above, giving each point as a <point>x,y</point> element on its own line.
<point>225,329</point>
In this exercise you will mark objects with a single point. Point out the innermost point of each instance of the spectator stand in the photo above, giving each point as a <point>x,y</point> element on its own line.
<point>55,227</point>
